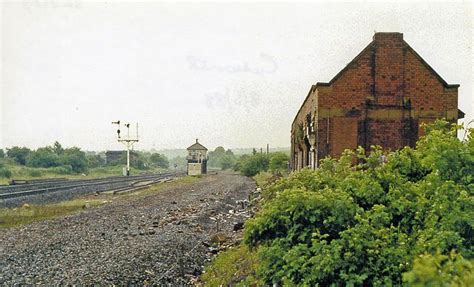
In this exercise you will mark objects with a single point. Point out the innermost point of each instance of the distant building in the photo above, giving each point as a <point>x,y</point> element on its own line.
<point>197,159</point>
<point>113,157</point>
<point>382,97</point>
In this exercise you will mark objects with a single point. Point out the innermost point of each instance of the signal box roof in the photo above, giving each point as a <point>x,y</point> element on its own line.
<point>197,146</point>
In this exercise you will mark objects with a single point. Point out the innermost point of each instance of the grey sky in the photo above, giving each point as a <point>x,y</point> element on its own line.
<point>229,74</point>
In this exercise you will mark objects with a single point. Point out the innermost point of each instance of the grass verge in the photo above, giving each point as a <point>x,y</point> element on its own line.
<point>11,217</point>
<point>233,267</point>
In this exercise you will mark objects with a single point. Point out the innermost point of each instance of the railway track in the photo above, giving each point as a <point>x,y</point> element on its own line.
<point>116,184</point>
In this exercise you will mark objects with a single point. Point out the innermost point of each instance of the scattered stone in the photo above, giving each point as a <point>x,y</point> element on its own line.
<point>119,243</point>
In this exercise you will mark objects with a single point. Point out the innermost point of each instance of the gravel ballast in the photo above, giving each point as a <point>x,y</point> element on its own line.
<point>164,238</point>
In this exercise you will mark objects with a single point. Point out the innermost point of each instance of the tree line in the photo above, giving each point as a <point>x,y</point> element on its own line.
<point>73,160</point>
<point>248,164</point>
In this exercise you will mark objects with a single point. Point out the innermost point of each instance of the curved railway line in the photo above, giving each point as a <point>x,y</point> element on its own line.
<point>115,184</point>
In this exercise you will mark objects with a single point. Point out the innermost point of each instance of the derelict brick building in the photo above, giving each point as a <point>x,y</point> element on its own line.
<point>380,98</point>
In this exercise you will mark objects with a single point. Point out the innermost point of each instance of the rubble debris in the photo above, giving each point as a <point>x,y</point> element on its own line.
<point>135,241</point>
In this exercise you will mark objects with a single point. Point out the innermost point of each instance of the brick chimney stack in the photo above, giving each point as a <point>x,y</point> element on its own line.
<point>389,68</point>
<point>388,36</point>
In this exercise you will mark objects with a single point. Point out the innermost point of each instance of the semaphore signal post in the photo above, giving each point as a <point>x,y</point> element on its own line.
<point>128,142</point>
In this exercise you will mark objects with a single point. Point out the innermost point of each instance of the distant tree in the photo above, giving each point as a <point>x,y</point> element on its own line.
<point>2,154</point>
<point>215,156</point>
<point>219,150</point>
<point>159,160</point>
<point>57,148</point>
<point>42,157</point>
<point>254,164</point>
<point>178,163</point>
<point>19,154</point>
<point>95,160</point>
<point>279,162</point>
<point>240,162</point>
<point>254,151</point>
<point>75,158</point>
<point>140,161</point>
<point>221,158</point>
<point>227,161</point>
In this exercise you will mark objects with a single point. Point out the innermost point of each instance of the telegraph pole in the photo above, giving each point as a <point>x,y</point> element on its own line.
<point>128,142</point>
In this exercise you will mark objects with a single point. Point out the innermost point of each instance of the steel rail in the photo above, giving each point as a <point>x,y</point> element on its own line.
<point>84,183</point>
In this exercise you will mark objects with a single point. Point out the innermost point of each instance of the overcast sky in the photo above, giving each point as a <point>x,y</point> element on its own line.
<point>229,74</point>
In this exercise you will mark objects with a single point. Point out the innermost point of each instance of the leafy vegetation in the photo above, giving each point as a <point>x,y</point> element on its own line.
<point>5,173</point>
<point>233,267</point>
<point>250,165</point>
<point>366,224</point>
<point>159,160</point>
<point>19,154</point>
<point>438,270</point>
<point>57,161</point>
<point>221,158</point>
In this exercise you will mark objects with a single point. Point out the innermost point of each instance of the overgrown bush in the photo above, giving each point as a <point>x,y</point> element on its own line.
<point>57,156</point>
<point>19,154</point>
<point>250,165</point>
<point>75,158</point>
<point>233,267</point>
<point>5,172</point>
<point>255,164</point>
<point>221,158</point>
<point>279,162</point>
<point>34,173</point>
<point>366,224</point>
<point>63,169</point>
<point>42,157</point>
<point>440,270</point>
<point>159,160</point>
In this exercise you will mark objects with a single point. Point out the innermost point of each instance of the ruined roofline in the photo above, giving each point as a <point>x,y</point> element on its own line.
<point>366,49</point>
<point>372,45</point>
<point>304,102</point>
<point>445,84</point>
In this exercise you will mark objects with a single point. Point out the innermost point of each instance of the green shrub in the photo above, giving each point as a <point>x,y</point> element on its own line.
<point>63,169</point>
<point>254,164</point>
<point>366,224</point>
<point>233,266</point>
<point>4,172</point>
<point>42,157</point>
<point>34,173</point>
<point>75,158</point>
<point>279,162</point>
<point>440,270</point>
<point>263,179</point>
<point>19,154</point>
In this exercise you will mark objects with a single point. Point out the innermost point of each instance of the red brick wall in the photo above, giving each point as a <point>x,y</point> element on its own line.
<point>380,98</point>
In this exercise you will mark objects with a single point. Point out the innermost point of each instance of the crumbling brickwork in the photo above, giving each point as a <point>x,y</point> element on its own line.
<point>380,98</point>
